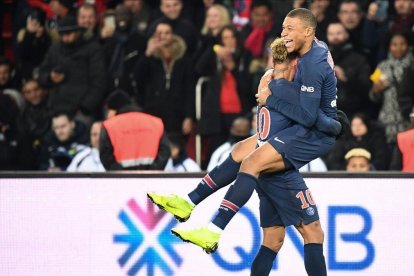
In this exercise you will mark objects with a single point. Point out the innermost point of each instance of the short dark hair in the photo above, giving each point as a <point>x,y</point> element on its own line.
<point>63,111</point>
<point>261,3</point>
<point>350,2</point>
<point>305,15</point>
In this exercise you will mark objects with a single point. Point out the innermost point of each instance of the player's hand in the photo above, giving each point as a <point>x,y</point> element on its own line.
<point>262,95</point>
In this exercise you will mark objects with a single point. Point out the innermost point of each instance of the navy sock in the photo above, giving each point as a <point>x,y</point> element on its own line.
<point>262,264</point>
<point>221,176</point>
<point>314,259</point>
<point>237,195</point>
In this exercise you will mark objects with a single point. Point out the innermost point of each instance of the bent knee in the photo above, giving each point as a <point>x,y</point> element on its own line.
<point>312,232</point>
<point>273,244</point>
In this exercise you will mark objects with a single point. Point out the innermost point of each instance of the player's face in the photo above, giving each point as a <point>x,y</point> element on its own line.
<point>398,47</point>
<point>293,34</point>
<point>357,164</point>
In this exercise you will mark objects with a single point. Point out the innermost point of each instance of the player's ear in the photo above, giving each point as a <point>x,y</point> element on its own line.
<point>309,31</point>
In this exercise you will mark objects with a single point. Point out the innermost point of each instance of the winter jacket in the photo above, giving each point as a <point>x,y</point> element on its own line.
<point>165,92</point>
<point>84,86</point>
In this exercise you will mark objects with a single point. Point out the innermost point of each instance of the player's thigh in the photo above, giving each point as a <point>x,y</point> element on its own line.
<point>243,148</point>
<point>273,237</point>
<point>312,232</point>
<point>263,159</point>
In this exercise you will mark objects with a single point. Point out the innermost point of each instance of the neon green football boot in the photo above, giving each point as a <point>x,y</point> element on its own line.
<point>203,237</point>
<point>177,206</point>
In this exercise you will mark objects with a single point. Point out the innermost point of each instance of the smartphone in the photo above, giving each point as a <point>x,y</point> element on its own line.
<point>109,21</point>
<point>382,11</point>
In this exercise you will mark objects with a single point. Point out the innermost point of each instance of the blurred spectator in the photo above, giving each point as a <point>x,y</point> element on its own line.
<point>131,139</point>
<point>9,84</point>
<point>228,92</point>
<point>358,160</point>
<point>33,41</point>
<point>403,156</point>
<point>75,71</point>
<point>241,13</point>
<point>166,80</point>
<point>63,142</point>
<point>316,165</point>
<point>384,88</point>
<point>240,130</point>
<point>8,78</point>
<point>405,93</point>
<point>261,28</point>
<point>88,159</point>
<point>364,134</point>
<point>403,20</point>
<point>141,14</point>
<point>217,17</point>
<point>171,10</point>
<point>60,9</point>
<point>34,121</point>
<point>13,147</point>
<point>87,19</point>
<point>179,161</point>
<point>122,51</point>
<point>366,33</point>
<point>324,15</point>
<point>352,72</point>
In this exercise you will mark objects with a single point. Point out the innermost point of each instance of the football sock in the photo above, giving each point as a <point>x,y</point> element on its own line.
<point>237,195</point>
<point>314,259</point>
<point>262,263</point>
<point>221,176</point>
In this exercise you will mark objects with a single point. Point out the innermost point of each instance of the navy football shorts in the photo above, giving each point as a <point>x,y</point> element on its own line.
<point>299,145</point>
<point>284,207</point>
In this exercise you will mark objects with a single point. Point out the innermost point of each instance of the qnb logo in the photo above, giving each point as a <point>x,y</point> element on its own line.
<point>149,241</point>
<point>307,88</point>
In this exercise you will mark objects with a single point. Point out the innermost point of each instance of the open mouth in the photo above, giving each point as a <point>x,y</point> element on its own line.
<point>288,43</point>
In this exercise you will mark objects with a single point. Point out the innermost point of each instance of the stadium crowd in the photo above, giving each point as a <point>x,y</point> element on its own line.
<point>62,60</point>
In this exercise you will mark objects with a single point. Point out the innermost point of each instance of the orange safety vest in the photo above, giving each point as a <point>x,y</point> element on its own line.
<point>135,138</point>
<point>406,144</point>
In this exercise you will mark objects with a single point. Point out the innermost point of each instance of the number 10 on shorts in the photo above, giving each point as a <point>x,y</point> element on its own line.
<point>305,198</point>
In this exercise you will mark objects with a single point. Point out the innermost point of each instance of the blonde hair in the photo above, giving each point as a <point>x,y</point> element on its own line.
<point>224,18</point>
<point>279,50</point>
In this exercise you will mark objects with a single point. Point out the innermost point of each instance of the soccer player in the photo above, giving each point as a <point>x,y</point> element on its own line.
<point>288,149</point>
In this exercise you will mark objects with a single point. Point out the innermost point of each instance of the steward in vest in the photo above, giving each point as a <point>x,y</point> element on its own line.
<point>403,156</point>
<point>131,139</point>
